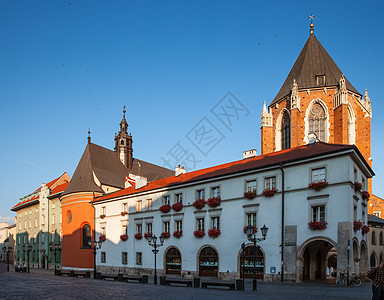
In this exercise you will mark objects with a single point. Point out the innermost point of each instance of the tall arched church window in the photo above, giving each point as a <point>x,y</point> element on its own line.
<point>351,128</point>
<point>317,121</point>
<point>87,235</point>
<point>286,131</point>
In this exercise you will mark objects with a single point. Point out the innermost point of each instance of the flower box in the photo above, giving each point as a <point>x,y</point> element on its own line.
<point>138,236</point>
<point>199,233</point>
<point>166,235</point>
<point>357,186</point>
<point>165,208</point>
<point>365,195</point>
<point>317,225</point>
<point>124,237</point>
<point>357,225</point>
<point>199,203</point>
<point>364,229</point>
<point>269,192</point>
<point>250,195</point>
<point>177,206</point>
<point>317,186</point>
<point>214,232</point>
<point>102,238</point>
<point>253,231</point>
<point>147,234</point>
<point>214,201</point>
<point>102,216</point>
<point>123,213</point>
<point>177,234</point>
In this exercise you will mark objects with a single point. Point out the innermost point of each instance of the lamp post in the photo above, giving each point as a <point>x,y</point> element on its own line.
<point>152,239</point>
<point>242,261</point>
<point>28,249</point>
<point>252,238</point>
<point>54,248</point>
<point>95,245</point>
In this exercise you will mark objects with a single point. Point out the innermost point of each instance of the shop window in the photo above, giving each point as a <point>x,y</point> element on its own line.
<point>208,262</point>
<point>173,261</point>
<point>247,262</point>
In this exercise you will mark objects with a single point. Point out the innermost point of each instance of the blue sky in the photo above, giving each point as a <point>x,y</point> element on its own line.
<point>67,66</point>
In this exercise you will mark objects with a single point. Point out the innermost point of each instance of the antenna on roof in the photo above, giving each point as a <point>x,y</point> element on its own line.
<point>89,135</point>
<point>311,17</point>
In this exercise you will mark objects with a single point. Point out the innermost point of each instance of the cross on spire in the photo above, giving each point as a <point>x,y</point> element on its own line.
<point>311,17</point>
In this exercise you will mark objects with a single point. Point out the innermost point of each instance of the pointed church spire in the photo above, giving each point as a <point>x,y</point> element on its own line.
<point>123,143</point>
<point>266,117</point>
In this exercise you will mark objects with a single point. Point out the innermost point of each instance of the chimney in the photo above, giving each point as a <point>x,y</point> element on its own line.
<point>249,153</point>
<point>180,170</point>
<point>136,181</point>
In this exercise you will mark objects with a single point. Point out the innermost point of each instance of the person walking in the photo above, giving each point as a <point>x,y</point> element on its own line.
<point>377,277</point>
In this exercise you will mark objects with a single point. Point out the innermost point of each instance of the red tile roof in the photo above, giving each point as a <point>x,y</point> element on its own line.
<point>261,161</point>
<point>58,190</point>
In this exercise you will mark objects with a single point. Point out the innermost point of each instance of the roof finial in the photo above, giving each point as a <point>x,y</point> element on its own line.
<point>89,135</point>
<point>311,17</point>
<point>124,110</point>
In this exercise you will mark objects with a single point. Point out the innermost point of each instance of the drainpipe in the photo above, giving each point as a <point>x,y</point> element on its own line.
<point>282,222</point>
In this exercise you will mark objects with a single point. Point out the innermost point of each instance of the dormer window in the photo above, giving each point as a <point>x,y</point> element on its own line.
<point>320,79</point>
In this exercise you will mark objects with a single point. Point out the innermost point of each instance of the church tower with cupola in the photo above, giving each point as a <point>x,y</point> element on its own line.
<point>123,143</point>
<point>317,101</point>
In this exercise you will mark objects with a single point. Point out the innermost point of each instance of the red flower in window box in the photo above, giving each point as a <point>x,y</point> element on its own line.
<point>199,233</point>
<point>199,203</point>
<point>177,206</point>
<point>124,237</point>
<point>365,195</point>
<point>357,225</point>
<point>166,235</point>
<point>102,238</point>
<point>178,233</point>
<point>214,233</point>
<point>317,225</point>
<point>319,185</point>
<point>364,229</point>
<point>102,216</point>
<point>147,234</point>
<point>214,201</point>
<point>123,213</point>
<point>138,236</point>
<point>250,195</point>
<point>357,186</point>
<point>253,231</point>
<point>269,192</point>
<point>165,208</point>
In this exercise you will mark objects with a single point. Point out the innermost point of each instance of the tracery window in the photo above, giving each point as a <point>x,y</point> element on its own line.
<point>317,121</point>
<point>87,235</point>
<point>286,131</point>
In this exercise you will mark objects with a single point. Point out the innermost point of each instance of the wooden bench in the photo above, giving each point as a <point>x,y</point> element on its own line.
<point>83,275</point>
<point>137,278</point>
<point>63,273</point>
<point>231,285</point>
<point>187,282</point>
<point>109,276</point>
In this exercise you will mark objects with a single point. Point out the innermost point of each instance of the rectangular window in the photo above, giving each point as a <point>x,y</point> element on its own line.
<point>104,211</point>
<point>36,210</point>
<point>30,211</point>
<point>149,204</point>
<point>179,197</point>
<point>179,225</point>
<point>216,222</point>
<point>320,79</point>
<point>200,194</point>
<point>363,183</point>
<point>165,226</point>
<point>25,224</point>
<point>318,175</point>
<point>61,218</point>
<point>138,205</point>
<point>355,213</point>
<point>103,257</point>
<point>53,205</point>
<point>139,228</point>
<point>270,182</point>
<point>43,220</point>
<point>124,229</point>
<point>251,219</point>
<point>103,230</point>
<point>167,200</point>
<point>354,175</point>
<point>53,219</point>
<point>19,226</point>
<point>29,223</point>
<point>200,224</point>
<point>125,207</point>
<point>139,258</point>
<point>216,191</point>
<point>124,258</point>
<point>318,213</point>
<point>149,227</point>
<point>251,186</point>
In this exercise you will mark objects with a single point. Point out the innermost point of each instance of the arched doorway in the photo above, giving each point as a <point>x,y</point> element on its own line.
<point>372,261</point>
<point>356,257</point>
<point>316,256</point>
<point>208,262</point>
<point>173,261</point>
<point>247,262</point>
<point>363,259</point>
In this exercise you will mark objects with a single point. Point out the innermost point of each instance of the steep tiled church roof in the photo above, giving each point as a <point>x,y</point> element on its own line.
<point>313,60</point>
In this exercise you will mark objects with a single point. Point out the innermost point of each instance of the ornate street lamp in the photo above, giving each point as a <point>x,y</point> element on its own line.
<point>152,239</point>
<point>28,249</point>
<point>54,248</point>
<point>252,238</point>
<point>95,245</point>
